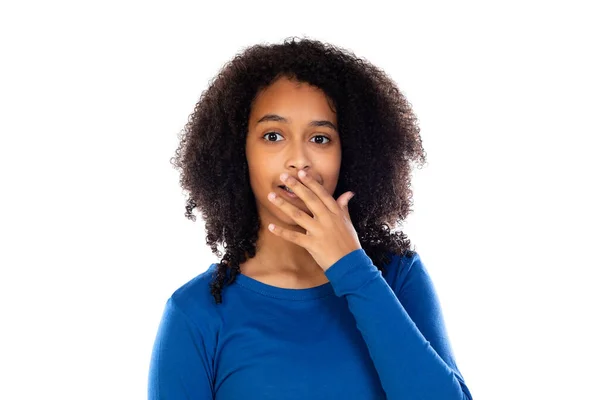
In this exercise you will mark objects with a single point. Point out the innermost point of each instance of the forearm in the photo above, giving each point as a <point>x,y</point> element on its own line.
<point>407,364</point>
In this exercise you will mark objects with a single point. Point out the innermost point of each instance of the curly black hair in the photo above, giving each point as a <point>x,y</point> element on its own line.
<point>379,138</point>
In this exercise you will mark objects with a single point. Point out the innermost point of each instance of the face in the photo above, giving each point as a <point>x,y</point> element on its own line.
<point>291,128</point>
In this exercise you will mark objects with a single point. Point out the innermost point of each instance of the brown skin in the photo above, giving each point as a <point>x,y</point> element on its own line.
<point>288,147</point>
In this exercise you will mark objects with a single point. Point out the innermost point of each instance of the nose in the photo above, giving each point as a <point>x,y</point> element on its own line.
<point>298,157</point>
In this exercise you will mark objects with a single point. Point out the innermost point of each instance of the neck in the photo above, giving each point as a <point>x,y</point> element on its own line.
<point>277,256</point>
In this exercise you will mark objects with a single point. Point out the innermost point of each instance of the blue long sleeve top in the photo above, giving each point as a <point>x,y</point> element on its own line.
<point>362,335</point>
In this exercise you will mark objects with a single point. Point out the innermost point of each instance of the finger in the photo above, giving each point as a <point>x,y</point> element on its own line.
<point>298,238</point>
<point>299,216</point>
<point>344,199</point>
<point>316,195</point>
<point>306,194</point>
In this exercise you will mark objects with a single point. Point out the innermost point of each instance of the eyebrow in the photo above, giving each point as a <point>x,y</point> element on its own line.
<point>278,118</point>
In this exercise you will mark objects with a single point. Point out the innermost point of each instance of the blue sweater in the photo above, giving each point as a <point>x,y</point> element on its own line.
<point>362,335</point>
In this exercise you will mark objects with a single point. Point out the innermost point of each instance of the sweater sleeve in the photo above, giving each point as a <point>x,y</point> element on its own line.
<point>403,329</point>
<point>179,365</point>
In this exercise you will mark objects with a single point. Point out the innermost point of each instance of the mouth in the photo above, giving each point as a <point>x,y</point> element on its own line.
<point>288,192</point>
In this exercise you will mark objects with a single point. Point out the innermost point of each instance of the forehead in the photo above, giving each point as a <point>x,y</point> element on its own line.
<point>297,100</point>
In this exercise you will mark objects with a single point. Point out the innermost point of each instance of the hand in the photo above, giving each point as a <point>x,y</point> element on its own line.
<point>330,234</point>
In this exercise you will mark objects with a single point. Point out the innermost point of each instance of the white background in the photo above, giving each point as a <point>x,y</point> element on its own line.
<point>94,238</point>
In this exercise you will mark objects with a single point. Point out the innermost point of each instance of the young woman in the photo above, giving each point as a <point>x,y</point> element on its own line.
<point>315,297</point>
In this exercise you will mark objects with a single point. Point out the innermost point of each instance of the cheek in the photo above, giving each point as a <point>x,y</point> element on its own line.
<point>255,172</point>
<point>332,182</point>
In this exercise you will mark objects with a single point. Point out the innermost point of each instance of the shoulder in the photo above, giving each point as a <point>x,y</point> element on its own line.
<point>194,299</point>
<point>402,268</point>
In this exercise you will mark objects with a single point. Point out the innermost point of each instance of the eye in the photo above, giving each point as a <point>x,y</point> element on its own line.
<point>277,133</point>
<point>271,133</point>
<point>321,136</point>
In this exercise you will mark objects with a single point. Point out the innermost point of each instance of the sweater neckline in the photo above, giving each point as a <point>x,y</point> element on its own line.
<point>315,292</point>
